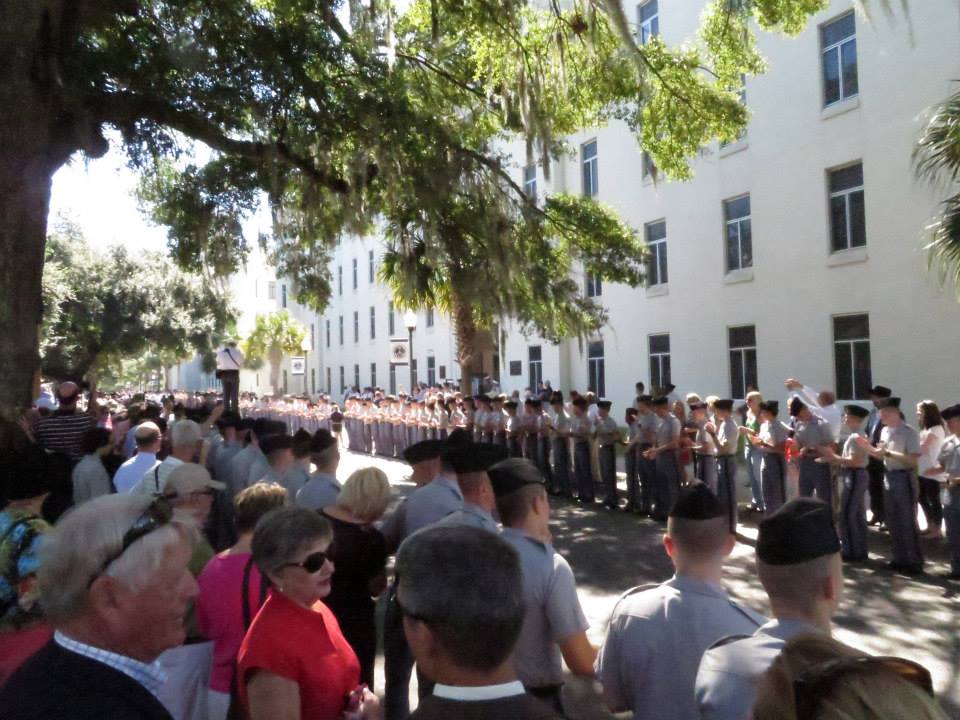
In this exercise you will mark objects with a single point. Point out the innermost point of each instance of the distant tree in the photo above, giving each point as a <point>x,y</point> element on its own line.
<point>105,307</point>
<point>272,337</point>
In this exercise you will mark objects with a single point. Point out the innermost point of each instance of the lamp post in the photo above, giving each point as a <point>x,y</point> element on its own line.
<point>305,346</point>
<point>410,321</point>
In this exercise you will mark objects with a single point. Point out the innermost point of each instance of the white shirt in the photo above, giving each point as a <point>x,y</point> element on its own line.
<point>155,479</point>
<point>132,470</point>
<point>934,437</point>
<point>151,676</point>
<point>482,692</point>
<point>832,415</point>
<point>229,359</point>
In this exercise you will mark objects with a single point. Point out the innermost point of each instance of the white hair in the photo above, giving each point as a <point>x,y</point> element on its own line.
<point>74,552</point>
<point>185,433</point>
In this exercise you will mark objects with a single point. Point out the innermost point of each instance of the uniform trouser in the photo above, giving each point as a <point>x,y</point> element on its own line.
<point>816,479</point>
<point>514,448</point>
<point>706,470</point>
<point>398,440</point>
<point>853,514</point>
<point>773,481</point>
<point>230,380</point>
<point>875,471</point>
<point>582,469</point>
<point>647,471</point>
<point>411,435</point>
<point>543,459</point>
<point>632,471</point>
<point>900,510</point>
<point>367,438</point>
<point>755,467</point>
<point>531,449</point>
<point>397,663</point>
<point>667,486</point>
<point>607,459</point>
<point>561,466</point>
<point>500,438</point>
<point>930,502</point>
<point>727,487</point>
<point>951,515</point>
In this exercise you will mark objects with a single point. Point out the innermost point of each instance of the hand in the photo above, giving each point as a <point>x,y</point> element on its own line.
<point>821,460</point>
<point>862,441</point>
<point>792,384</point>
<point>710,428</point>
<point>370,706</point>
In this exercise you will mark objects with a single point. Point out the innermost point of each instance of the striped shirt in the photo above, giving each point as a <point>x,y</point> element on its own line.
<point>64,433</point>
<point>150,675</point>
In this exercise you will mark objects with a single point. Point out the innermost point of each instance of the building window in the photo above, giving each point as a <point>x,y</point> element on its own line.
<point>429,317</point>
<point>648,168</point>
<point>739,237</point>
<point>339,279</point>
<point>588,158</point>
<point>354,273</point>
<point>283,295</point>
<point>851,356</point>
<point>535,366</point>
<point>659,348</point>
<point>285,390</point>
<point>442,374</point>
<point>343,381</point>
<point>594,287</point>
<point>356,326</point>
<point>329,384</point>
<point>373,322</point>
<point>648,21</point>
<point>271,290</point>
<point>356,376</point>
<point>838,43</point>
<point>328,331</point>
<point>848,225</point>
<point>530,181</point>
<point>393,379</point>
<point>341,330</point>
<point>313,381</point>
<point>743,360</point>
<point>596,376</point>
<point>391,320</point>
<point>373,374</point>
<point>313,337</point>
<point>431,370</point>
<point>656,233</point>
<point>372,267</point>
<point>413,372</point>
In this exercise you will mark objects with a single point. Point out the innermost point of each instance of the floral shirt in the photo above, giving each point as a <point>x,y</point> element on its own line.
<point>21,537</point>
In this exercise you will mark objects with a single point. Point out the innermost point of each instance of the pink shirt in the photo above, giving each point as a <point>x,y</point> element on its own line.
<point>220,612</point>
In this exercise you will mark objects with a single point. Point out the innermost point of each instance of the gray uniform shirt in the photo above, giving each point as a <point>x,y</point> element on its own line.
<point>668,430</point>
<point>854,452</point>
<point>90,479</point>
<point>657,635</point>
<point>729,671</point>
<point>728,435</point>
<point>472,516</point>
<point>240,468</point>
<point>607,430</point>
<point>902,439</point>
<point>553,611</point>
<point>225,456</point>
<point>431,503</point>
<point>813,434</point>
<point>949,458</point>
<point>320,491</point>
<point>774,433</point>
<point>649,424</point>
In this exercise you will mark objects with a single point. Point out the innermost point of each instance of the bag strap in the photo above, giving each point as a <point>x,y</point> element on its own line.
<point>156,478</point>
<point>245,593</point>
<point>232,358</point>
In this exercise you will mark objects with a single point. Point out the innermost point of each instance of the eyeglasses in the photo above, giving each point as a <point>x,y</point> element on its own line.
<point>818,682</point>
<point>157,514</point>
<point>312,563</point>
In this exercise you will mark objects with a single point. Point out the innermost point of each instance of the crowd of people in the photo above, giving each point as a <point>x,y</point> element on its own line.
<point>165,556</point>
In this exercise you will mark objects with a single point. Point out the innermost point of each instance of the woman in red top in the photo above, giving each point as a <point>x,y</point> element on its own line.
<point>294,663</point>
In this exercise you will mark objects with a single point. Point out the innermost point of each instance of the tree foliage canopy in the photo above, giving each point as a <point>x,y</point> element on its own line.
<point>272,337</point>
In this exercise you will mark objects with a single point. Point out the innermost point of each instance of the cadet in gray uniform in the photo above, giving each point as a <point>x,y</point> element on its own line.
<point>278,449</point>
<point>900,449</point>
<point>554,624</point>
<point>561,447</point>
<point>649,424</point>
<point>798,560</point>
<point>813,436</point>
<point>664,454</point>
<point>657,635</point>
<point>243,461</point>
<point>630,455</point>
<point>581,429</point>
<point>949,463</point>
<point>771,442</point>
<point>856,481</point>
<point>323,487</point>
<point>608,437</point>
<point>470,464</point>
<point>704,447</point>
<point>726,436</point>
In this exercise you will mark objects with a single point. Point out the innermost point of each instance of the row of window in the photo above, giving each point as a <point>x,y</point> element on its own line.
<point>851,355</point>
<point>435,373</point>
<point>355,269</point>
<point>391,324</point>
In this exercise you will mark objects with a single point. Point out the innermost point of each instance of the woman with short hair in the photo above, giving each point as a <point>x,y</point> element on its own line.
<point>360,554</point>
<point>932,435</point>
<point>294,661</point>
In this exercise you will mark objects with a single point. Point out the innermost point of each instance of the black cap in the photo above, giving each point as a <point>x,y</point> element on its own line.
<point>949,413</point>
<point>322,439</point>
<point>770,406</point>
<point>532,402</point>
<point>669,387</point>
<point>262,427</point>
<point>459,436</point>
<point>302,440</point>
<point>723,404</point>
<point>644,399</point>
<point>505,478</point>
<point>556,397</point>
<point>660,401</point>
<point>604,404</point>
<point>510,405</point>
<point>272,443</point>
<point>697,502</point>
<point>423,450</point>
<point>228,420</point>
<point>246,423</point>
<point>890,402</point>
<point>697,406</point>
<point>580,402</point>
<point>881,391</point>
<point>801,530</point>
<point>475,457</point>
<point>796,406</point>
<point>856,411</point>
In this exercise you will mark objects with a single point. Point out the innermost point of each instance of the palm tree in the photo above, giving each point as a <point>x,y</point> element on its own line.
<point>937,160</point>
<point>273,336</point>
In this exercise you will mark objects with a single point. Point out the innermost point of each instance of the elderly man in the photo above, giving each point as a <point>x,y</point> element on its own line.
<point>115,584</point>
<point>461,594</point>
<point>185,439</point>
<point>822,404</point>
<point>148,439</point>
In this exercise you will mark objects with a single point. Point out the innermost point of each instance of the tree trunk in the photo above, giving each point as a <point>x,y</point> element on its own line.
<point>275,358</point>
<point>466,332</point>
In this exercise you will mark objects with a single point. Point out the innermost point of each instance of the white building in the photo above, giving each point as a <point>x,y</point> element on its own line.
<point>796,251</point>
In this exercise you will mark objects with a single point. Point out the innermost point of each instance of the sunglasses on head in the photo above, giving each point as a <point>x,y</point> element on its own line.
<point>820,680</point>
<point>312,563</point>
<point>157,514</point>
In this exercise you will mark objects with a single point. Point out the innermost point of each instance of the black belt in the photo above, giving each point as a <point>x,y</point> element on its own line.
<point>725,456</point>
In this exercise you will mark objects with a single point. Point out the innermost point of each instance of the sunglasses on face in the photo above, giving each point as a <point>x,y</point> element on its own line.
<point>819,681</point>
<point>312,563</point>
<point>157,514</point>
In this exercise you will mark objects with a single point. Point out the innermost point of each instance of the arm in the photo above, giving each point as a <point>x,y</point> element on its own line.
<point>578,654</point>
<point>272,697</point>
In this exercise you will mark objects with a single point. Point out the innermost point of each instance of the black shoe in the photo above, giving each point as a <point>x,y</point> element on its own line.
<point>905,569</point>
<point>949,575</point>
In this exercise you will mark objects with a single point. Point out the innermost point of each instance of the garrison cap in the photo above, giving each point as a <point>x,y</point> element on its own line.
<point>697,502</point>
<point>801,530</point>
<point>301,441</point>
<point>322,439</point>
<point>660,401</point>
<point>644,399</point>
<point>881,391</point>
<point>510,405</point>
<point>228,420</point>
<point>580,402</point>
<point>272,443</point>
<point>856,411</point>
<point>949,413</point>
<point>770,406</point>
<point>890,402</point>
<point>505,478</point>
<point>669,387</point>
<point>796,406</point>
<point>262,427</point>
<point>604,404</point>
<point>556,397</point>
<point>697,406</point>
<point>458,437</point>
<point>473,457</point>
<point>423,450</point>
<point>724,404</point>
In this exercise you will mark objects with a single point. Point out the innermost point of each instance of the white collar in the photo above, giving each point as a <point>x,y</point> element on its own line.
<point>483,692</point>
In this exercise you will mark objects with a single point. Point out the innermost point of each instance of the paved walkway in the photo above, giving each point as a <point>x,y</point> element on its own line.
<point>881,612</point>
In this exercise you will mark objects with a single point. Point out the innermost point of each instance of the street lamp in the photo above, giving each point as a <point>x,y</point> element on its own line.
<point>305,346</point>
<point>410,322</point>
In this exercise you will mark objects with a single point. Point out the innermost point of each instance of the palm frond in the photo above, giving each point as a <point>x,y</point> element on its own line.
<point>936,156</point>
<point>944,247</point>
